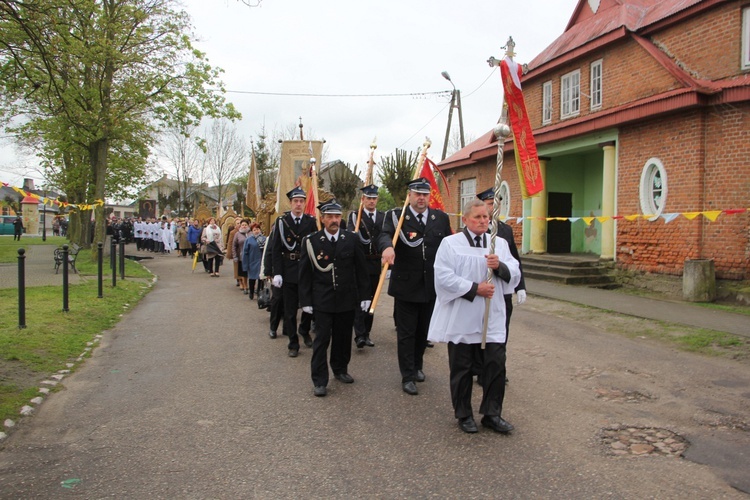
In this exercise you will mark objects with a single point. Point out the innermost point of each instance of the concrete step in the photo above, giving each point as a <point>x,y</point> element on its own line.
<point>569,279</point>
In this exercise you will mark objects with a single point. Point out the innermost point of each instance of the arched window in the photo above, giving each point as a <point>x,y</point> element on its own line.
<point>653,188</point>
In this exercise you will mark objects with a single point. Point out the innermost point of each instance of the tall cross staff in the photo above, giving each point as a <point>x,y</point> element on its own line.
<point>314,187</point>
<point>368,179</point>
<point>422,156</point>
<point>501,131</point>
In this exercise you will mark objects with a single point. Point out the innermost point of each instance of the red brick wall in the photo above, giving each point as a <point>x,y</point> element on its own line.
<point>705,157</point>
<point>707,46</point>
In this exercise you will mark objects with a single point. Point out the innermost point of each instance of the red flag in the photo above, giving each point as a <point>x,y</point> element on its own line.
<point>436,199</point>
<point>310,205</point>
<point>530,173</point>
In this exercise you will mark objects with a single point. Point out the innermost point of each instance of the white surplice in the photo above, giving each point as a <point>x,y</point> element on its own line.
<point>458,265</point>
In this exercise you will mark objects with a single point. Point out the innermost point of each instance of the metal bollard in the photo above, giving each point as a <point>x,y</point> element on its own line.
<point>100,262</point>
<point>122,259</point>
<point>65,278</point>
<point>21,288</point>
<point>113,262</point>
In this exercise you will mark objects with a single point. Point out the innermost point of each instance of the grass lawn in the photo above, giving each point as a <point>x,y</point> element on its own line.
<point>52,338</point>
<point>9,247</point>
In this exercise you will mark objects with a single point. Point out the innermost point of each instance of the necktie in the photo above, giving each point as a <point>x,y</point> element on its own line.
<point>372,217</point>
<point>333,242</point>
<point>296,222</point>
<point>478,240</point>
<point>421,222</point>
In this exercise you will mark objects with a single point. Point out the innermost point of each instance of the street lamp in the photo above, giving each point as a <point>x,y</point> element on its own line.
<point>44,216</point>
<point>455,103</point>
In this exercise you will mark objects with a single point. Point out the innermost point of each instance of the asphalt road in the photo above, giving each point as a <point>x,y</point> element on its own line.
<point>188,398</point>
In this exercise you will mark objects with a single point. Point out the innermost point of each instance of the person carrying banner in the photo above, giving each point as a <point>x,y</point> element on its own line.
<point>333,283</point>
<point>461,267</point>
<point>370,225</point>
<point>412,276</point>
<point>289,230</point>
<point>506,232</point>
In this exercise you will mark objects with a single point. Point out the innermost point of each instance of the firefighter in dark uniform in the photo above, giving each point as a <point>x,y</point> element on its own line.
<point>289,231</point>
<point>370,225</point>
<point>412,283</point>
<point>333,283</point>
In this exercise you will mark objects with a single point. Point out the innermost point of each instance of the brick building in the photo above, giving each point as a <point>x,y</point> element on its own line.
<point>639,107</point>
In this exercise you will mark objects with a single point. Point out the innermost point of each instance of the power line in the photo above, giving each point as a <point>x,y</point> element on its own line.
<point>292,94</point>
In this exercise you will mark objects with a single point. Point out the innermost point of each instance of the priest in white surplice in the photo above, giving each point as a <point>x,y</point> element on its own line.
<point>460,282</point>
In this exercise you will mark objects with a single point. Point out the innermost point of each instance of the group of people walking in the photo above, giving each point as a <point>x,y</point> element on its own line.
<point>439,280</point>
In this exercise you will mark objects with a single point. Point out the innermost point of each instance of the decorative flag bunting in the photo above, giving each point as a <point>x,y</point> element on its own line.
<point>711,215</point>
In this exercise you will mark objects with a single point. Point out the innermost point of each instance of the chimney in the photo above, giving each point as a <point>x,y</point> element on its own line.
<point>28,184</point>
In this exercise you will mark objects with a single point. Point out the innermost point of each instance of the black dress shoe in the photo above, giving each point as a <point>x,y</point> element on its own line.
<point>420,376</point>
<point>343,377</point>
<point>308,339</point>
<point>468,425</point>
<point>293,353</point>
<point>410,388</point>
<point>368,342</point>
<point>497,424</point>
<point>272,334</point>
<point>320,391</point>
<point>360,342</point>
<point>430,344</point>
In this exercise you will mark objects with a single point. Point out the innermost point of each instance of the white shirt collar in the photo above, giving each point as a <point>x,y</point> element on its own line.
<point>334,236</point>
<point>415,213</point>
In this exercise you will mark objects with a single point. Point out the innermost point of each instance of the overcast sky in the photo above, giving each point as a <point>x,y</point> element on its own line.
<point>365,47</point>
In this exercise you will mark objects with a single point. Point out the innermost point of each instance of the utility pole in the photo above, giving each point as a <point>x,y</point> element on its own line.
<point>455,103</point>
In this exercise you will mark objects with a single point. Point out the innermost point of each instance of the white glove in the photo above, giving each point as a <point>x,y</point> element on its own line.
<point>307,309</point>
<point>521,294</point>
<point>365,305</point>
<point>277,281</point>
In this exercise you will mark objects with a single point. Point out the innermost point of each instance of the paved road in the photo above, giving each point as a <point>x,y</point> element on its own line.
<point>188,398</point>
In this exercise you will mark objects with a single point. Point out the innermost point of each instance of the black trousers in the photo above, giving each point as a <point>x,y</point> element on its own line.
<point>363,319</point>
<point>277,308</point>
<point>462,358</point>
<point>412,322</point>
<point>290,293</point>
<point>334,329</point>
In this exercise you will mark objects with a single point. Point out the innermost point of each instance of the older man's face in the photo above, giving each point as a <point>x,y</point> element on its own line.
<point>477,220</point>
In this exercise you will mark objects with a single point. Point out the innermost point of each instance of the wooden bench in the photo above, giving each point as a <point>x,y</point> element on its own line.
<point>72,256</point>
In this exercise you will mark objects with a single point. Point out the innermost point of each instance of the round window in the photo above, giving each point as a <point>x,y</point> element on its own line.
<point>505,202</point>
<point>653,188</point>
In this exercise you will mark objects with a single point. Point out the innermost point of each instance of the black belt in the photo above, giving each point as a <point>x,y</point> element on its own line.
<point>291,256</point>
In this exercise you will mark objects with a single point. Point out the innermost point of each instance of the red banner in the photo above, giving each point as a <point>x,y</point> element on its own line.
<point>530,174</point>
<point>436,199</point>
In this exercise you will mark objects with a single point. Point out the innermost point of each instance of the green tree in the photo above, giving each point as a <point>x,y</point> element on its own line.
<point>344,185</point>
<point>267,164</point>
<point>395,173</point>
<point>94,80</point>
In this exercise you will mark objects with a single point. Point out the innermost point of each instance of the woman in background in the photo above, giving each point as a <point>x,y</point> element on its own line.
<point>251,254</point>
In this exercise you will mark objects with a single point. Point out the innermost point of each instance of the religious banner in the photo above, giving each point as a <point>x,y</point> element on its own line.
<point>294,169</point>
<point>147,209</point>
<point>527,160</point>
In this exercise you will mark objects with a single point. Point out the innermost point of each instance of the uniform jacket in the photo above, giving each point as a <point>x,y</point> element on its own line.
<point>505,232</point>
<point>412,274</point>
<point>343,286</point>
<point>368,236</point>
<point>287,245</point>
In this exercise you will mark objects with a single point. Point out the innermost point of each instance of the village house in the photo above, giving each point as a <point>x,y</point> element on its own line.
<point>640,108</point>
